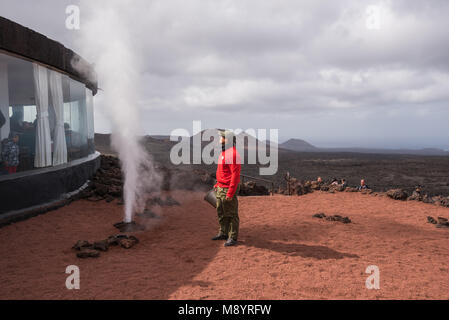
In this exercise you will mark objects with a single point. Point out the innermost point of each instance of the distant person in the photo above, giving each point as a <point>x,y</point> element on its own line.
<point>363,185</point>
<point>319,180</point>
<point>10,153</point>
<point>343,183</point>
<point>334,182</point>
<point>226,189</point>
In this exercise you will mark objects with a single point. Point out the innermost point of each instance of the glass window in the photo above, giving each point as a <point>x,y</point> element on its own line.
<point>18,115</point>
<point>75,118</point>
<point>20,148</point>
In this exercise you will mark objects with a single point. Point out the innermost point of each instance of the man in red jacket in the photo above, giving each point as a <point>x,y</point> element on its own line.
<point>226,189</point>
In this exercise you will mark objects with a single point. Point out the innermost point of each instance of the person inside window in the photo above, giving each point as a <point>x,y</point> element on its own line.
<point>10,153</point>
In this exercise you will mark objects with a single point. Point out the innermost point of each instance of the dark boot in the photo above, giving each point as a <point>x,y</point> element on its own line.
<point>230,242</point>
<point>220,237</point>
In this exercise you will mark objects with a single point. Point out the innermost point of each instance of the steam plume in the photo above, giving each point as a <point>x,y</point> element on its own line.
<point>105,39</point>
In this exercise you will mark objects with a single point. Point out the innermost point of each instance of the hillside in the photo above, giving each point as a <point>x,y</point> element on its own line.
<point>303,146</point>
<point>382,171</point>
<point>299,145</point>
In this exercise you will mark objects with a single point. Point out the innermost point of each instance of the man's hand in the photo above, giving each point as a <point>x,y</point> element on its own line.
<point>228,199</point>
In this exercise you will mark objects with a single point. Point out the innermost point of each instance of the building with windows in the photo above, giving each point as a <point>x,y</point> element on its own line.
<point>46,119</point>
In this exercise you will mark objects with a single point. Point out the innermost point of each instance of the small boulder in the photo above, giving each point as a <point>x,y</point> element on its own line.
<point>88,253</point>
<point>315,185</point>
<point>416,195</point>
<point>444,202</point>
<point>442,220</point>
<point>101,245</point>
<point>133,238</point>
<point>336,188</point>
<point>339,218</point>
<point>427,199</point>
<point>397,194</point>
<point>81,244</point>
<point>431,220</point>
<point>345,220</point>
<point>437,200</point>
<point>113,241</point>
<point>127,243</point>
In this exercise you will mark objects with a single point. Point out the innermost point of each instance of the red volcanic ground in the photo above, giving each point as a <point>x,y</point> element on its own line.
<point>283,252</point>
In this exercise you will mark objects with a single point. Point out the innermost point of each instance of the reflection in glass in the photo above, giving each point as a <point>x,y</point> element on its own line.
<point>75,119</point>
<point>51,114</point>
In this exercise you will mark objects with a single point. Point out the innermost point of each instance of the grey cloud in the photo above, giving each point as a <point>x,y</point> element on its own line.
<point>307,62</point>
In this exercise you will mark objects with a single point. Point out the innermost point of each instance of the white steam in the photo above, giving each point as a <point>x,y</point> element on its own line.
<point>106,40</point>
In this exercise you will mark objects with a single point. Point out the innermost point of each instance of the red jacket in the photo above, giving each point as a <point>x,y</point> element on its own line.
<point>228,171</point>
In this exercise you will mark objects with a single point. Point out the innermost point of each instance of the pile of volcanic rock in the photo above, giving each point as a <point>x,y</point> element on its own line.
<point>107,183</point>
<point>297,187</point>
<point>397,194</point>
<point>85,249</point>
<point>250,188</point>
<point>439,223</point>
<point>335,217</point>
<point>417,195</point>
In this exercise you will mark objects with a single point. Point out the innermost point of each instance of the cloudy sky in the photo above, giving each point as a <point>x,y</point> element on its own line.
<point>335,73</point>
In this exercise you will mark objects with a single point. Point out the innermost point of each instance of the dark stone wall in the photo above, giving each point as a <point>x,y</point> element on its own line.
<point>32,188</point>
<point>25,42</point>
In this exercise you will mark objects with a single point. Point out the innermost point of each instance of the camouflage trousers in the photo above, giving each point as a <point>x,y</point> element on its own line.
<point>228,213</point>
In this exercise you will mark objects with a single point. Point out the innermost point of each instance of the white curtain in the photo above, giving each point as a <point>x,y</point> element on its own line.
<point>43,139</point>
<point>59,143</point>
